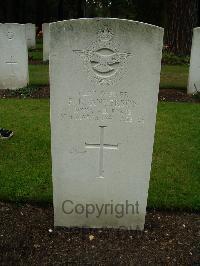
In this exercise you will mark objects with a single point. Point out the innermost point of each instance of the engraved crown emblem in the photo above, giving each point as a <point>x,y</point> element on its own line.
<point>102,59</point>
<point>10,35</point>
<point>105,34</point>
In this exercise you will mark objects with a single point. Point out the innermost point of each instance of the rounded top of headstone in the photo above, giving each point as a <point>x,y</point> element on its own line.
<point>10,24</point>
<point>109,20</point>
<point>196,29</point>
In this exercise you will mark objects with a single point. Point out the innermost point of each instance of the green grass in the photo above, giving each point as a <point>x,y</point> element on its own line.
<point>171,76</point>
<point>25,169</point>
<point>37,54</point>
<point>38,75</point>
<point>175,181</point>
<point>174,76</point>
<point>25,162</point>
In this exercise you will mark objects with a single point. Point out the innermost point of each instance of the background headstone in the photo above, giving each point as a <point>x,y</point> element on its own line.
<point>13,56</point>
<point>104,76</point>
<point>30,35</point>
<point>194,72</point>
<point>46,40</point>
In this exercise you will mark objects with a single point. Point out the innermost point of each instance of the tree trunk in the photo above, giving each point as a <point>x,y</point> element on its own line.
<point>61,10</point>
<point>81,8</point>
<point>39,16</point>
<point>114,8</point>
<point>182,18</point>
<point>9,12</point>
<point>3,12</point>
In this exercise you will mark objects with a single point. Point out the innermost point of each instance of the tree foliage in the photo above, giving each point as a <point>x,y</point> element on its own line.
<point>178,17</point>
<point>182,18</point>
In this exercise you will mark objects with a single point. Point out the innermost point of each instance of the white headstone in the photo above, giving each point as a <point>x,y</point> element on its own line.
<point>46,40</point>
<point>104,76</point>
<point>13,56</point>
<point>194,72</point>
<point>31,35</point>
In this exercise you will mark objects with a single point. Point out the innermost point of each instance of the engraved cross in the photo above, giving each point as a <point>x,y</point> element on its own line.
<point>12,62</point>
<point>101,148</point>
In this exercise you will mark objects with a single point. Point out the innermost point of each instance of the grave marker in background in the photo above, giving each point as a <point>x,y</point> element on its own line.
<point>194,72</point>
<point>30,35</point>
<point>46,40</point>
<point>104,76</point>
<point>13,56</point>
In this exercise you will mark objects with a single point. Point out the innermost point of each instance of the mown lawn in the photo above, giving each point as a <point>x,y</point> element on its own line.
<point>175,176</point>
<point>38,75</point>
<point>175,77</point>
<point>36,54</point>
<point>25,161</point>
<point>171,76</point>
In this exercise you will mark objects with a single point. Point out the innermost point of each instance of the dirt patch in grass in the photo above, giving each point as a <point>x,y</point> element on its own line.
<point>166,95</point>
<point>176,95</point>
<point>41,92</point>
<point>37,62</point>
<point>27,237</point>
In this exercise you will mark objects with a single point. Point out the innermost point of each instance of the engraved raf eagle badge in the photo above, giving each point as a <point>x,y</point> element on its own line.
<point>103,61</point>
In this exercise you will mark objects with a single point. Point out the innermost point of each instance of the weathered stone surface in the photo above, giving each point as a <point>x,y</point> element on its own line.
<point>194,72</point>
<point>46,40</point>
<point>13,56</point>
<point>30,35</point>
<point>104,76</point>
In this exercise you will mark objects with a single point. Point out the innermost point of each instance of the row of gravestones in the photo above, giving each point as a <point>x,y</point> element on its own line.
<point>30,33</point>
<point>104,83</point>
<point>15,40</point>
<point>14,73</point>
